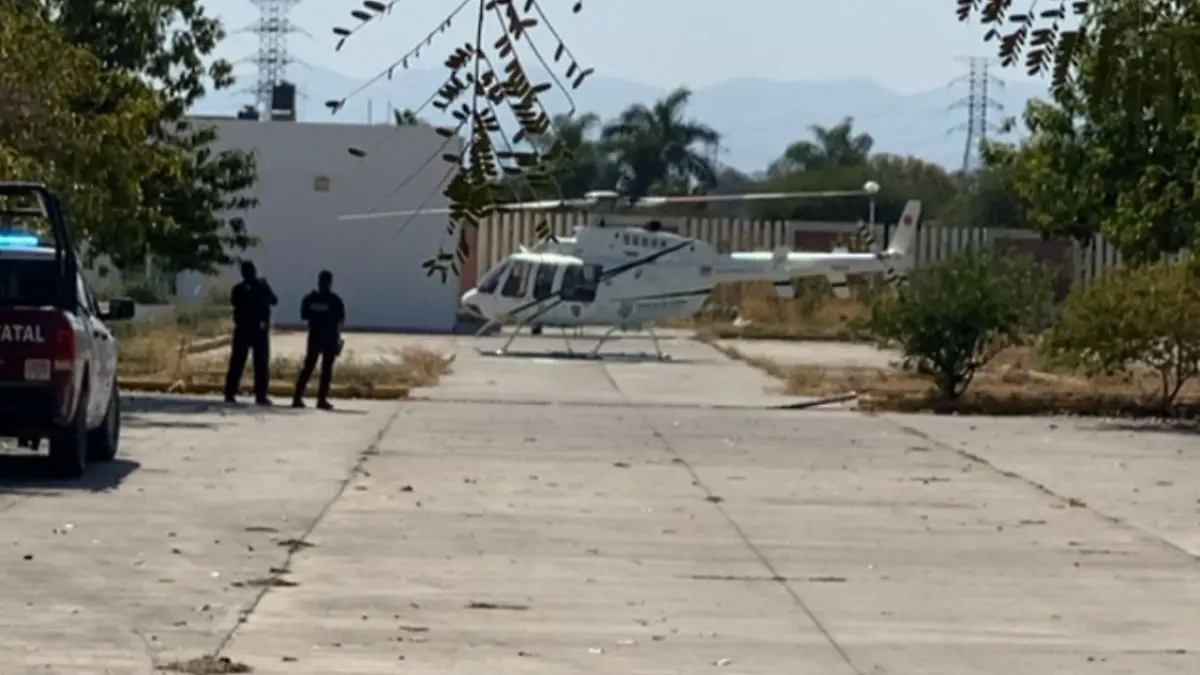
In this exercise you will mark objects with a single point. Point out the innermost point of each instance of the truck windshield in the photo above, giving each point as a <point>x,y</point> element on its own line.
<point>28,282</point>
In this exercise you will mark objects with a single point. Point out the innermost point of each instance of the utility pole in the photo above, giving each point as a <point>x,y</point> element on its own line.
<point>272,58</point>
<point>977,104</point>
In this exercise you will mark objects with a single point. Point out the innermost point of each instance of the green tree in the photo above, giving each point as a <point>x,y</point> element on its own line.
<point>655,144</point>
<point>94,158</point>
<point>835,146</point>
<point>901,179</point>
<point>955,316</point>
<point>1124,164</point>
<point>1043,44</point>
<point>987,197</point>
<point>1140,317</point>
<point>587,163</point>
<point>169,45</point>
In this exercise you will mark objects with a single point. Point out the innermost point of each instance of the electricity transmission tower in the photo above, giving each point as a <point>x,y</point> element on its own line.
<point>977,104</point>
<point>272,60</point>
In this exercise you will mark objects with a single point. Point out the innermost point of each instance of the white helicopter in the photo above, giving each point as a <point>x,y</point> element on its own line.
<point>630,278</point>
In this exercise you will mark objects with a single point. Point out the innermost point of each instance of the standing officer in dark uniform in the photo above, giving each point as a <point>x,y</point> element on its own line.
<point>325,314</point>
<point>252,300</point>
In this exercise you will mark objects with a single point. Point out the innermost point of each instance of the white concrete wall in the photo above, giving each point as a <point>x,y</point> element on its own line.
<point>376,264</point>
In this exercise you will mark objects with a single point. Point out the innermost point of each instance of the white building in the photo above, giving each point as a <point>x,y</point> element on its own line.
<point>307,178</point>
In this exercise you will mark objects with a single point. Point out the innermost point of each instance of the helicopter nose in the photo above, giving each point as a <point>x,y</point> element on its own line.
<point>470,303</point>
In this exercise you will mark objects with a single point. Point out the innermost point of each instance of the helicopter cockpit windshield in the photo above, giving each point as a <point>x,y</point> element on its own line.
<point>487,285</point>
<point>538,276</point>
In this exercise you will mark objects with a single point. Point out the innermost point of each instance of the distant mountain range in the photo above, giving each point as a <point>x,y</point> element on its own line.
<point>757,117</point>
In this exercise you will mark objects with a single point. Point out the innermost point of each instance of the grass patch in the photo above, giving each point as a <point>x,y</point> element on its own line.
<point>159,346</point>
<point>1018,382</point>
<point>156,355</point>
<point>411,366</point>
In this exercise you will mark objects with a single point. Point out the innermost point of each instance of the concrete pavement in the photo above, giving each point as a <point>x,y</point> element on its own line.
<point>148,557</point>
<point>618,534</point>
<point>696,375</point>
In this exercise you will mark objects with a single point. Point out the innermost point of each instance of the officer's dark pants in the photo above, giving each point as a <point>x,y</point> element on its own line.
<point>246,340</point>
<point>324,349</point>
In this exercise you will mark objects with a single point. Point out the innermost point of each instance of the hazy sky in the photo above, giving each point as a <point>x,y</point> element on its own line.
<point>907,46</point>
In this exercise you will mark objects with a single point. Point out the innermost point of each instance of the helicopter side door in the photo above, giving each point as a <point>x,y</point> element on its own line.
<point>579,283</point>
<point>576,286</point>
<point>544,279</point>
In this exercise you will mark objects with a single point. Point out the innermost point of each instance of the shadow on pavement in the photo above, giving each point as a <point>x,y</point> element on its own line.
<point>29,474</point>
<point>586,357</point>
<point>177,411</point>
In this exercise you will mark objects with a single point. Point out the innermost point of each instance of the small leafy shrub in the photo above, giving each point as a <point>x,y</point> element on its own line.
<point>953,317</point>
<point>1135,318</point>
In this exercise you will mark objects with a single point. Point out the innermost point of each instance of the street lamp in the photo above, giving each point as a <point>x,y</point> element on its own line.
<point>872,189</point>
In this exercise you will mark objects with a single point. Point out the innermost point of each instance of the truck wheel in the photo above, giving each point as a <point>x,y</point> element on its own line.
<point>104,440</point>
<point>68,446</point>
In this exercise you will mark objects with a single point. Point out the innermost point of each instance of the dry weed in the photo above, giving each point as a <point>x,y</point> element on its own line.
<point>207,665</point>
<point>1011,384</point>
<point>412,366</point>
<point>159,346</point>
<point>815,313</point>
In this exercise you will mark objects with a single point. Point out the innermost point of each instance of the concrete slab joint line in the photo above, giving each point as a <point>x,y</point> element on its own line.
<point>1039,487</point>
<point>612,381</point>
<point>772,573</point>
<point>354,471</point>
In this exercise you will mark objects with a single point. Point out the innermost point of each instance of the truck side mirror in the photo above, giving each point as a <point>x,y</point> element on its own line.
<point>118,309</point>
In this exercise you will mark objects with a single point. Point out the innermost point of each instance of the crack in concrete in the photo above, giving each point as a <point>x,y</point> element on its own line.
<point>1068,501</point>
<point>355,470</point>
<point>763,560</point>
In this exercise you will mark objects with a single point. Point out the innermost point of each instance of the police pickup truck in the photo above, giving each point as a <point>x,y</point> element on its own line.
<point>58,359</point>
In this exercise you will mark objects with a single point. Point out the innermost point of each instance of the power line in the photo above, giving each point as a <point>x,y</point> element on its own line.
<point>977,104</point>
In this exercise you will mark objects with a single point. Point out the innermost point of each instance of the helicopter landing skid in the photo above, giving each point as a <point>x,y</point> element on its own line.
<point>576,356</point>
<point>593,354</point>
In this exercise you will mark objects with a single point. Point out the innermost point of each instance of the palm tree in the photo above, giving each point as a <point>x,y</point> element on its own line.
<point>656,144</point>
<point>837,145</point>
<point>587,165</point>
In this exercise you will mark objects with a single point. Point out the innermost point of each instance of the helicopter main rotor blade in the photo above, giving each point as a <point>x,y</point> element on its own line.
<point>647,202</point>
<point>644,202</point>
<point>545,205</point>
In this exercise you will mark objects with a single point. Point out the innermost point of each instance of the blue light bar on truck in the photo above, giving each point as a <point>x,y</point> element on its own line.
<point>19,241</point>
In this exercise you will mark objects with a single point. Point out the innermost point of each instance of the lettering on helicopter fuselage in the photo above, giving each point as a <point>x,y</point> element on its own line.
<point>576,310</point>
<point>840,268</point>
<point>706,271</point>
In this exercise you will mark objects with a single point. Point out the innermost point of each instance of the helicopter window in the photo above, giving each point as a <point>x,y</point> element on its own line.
<point>625,239</point>
<point>543,281</point>
<point>487,285</point>
<point>517,283</point>
<point>579,282</point>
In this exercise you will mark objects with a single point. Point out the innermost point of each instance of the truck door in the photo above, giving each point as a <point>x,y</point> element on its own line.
<point>104,352</point>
